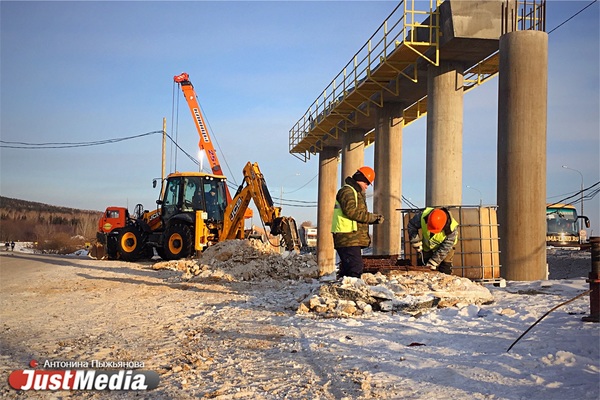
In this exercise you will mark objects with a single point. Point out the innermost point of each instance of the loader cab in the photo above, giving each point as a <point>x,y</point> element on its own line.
<point>189,192</point>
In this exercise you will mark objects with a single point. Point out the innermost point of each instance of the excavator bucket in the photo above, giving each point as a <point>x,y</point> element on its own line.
<point>286,227</point>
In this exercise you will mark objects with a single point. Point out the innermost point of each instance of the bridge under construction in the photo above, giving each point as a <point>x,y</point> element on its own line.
<point>419,63</point>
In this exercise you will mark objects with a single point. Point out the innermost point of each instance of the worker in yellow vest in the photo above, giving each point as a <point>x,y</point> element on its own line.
<point>439,231</point>
<point>351,219</point>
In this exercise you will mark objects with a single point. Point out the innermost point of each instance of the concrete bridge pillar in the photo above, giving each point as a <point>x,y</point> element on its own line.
<point>353,152</point>
<point>328,186</point>
<point>522,109</point>
<point>387,197</point>
<point>443,158</point>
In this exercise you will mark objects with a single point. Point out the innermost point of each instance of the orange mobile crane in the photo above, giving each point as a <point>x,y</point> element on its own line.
<point>205,142</point>
<point>195,210</point>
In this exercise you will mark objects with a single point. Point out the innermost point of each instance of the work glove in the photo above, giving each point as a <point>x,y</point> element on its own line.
<point>432,265</point>
<point>378,219</point>
<point>417,244</point>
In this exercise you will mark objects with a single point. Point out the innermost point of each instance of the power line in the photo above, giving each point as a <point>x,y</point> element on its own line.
<point>301,201</point>
<point>298,205</point>
<point>65,145</point>
<point>559,195</point>
<point>571,17</point>
<point>182,150</point>
<point>589,196</point>
<point>295,190</point>
<point>408,202</point>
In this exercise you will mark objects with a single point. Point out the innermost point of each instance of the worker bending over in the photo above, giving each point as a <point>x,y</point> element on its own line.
<point>439,236</point>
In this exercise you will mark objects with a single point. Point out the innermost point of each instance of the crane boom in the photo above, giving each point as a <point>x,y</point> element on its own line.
<point>205,142</point>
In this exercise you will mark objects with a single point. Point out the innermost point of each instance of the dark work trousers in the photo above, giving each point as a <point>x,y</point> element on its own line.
<point>351,261</point>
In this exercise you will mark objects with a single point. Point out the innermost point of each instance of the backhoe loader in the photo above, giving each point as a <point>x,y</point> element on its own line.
<point>192,213</point>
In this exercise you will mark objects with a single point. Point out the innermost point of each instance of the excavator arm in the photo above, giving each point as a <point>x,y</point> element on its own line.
<point>255,188</point>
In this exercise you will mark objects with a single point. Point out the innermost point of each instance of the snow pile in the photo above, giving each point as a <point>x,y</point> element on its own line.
<point>409,292</point>
<point>245,260</point>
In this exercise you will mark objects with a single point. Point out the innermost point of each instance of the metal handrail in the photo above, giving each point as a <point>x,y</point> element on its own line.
<point>398,29</point>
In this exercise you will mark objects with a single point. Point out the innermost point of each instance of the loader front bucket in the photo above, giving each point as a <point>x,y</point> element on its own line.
<point>98,251</point>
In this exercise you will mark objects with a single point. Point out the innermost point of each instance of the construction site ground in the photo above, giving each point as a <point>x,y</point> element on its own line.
<point>238,332</point>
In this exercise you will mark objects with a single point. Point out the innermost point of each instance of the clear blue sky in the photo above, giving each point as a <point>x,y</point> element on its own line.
<point>86,71</point>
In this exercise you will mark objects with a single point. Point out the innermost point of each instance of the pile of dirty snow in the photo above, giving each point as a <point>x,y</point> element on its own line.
<point>245,260</point>
<point>410,292</point>
<point>396,291</point>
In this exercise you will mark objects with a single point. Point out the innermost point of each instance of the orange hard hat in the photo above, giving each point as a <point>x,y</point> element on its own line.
<point>367,173</point>
<point>436,220</point>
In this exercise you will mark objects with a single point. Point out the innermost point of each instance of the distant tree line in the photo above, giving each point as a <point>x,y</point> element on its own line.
<point>28,221</point>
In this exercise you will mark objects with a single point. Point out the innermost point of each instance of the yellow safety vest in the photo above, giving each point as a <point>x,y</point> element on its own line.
<point>431,242</point>
<point>341,223</point>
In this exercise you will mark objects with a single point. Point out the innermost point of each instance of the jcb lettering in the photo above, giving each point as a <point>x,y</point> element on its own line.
<point>235,210</point>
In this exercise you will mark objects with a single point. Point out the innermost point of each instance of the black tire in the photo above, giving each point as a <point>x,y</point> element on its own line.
<point>130,243</point>
<point>112,252</point>
<point>148,252</point>
<point>161,253</point>
<point>177,242</point>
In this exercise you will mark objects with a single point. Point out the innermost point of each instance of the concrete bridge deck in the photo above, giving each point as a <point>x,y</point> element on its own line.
<point>392,67</point>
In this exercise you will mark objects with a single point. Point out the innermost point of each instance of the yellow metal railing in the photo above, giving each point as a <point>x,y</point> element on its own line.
<point>407,36</point>
<point>409,29</point>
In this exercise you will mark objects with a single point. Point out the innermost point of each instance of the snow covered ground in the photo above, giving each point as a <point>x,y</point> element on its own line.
<point>462,352</point>
<point>457,352</point>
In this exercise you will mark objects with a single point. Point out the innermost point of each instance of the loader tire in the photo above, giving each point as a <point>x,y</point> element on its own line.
<point>112,251</point>
<point>161,253</point>
<point>177,242</point>
<point>130,243</point>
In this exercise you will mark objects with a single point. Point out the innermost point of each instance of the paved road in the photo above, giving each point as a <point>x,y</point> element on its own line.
<point>567,264</point>
<point>18,267</point>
